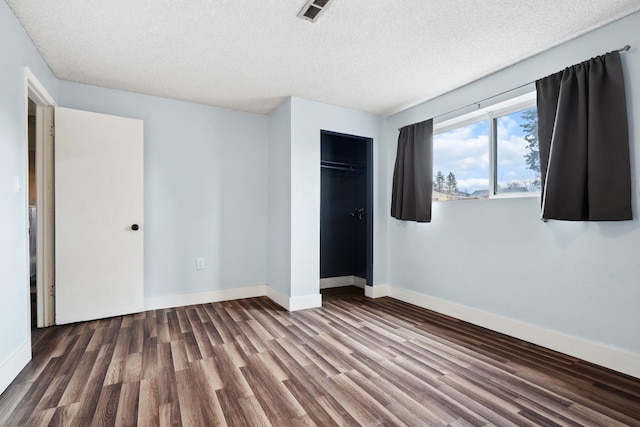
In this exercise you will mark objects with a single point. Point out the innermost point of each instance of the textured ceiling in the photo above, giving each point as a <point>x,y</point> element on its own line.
<point>369,55</point>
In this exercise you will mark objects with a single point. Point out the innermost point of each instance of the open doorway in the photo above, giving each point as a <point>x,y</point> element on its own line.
<point>346,215</point>
<point>39,178</point>
<point>33,224</point>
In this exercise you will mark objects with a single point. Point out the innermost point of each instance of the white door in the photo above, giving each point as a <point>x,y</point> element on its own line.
<point>98,215</point>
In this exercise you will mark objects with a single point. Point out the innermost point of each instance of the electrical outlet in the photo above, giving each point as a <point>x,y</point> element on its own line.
<point>199,263</point>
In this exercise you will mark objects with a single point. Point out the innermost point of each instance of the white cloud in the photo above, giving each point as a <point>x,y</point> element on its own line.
<point>512,147</point>
<point>462,151</point>
<point>472,184</point>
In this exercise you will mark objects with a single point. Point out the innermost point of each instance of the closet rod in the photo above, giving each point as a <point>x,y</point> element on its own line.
<point>342,168</point>
<point>621,50</point>
<point>343,164</point>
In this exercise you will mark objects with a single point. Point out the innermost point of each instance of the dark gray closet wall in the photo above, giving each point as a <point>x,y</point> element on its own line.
<point>344,190</point>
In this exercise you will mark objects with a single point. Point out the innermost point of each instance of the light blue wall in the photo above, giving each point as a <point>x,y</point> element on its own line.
<point>579,279</point>
<point>205,189</point>
<point>294,191</point>
<point>308,119</point>
<point>16,52</point>
<point>279,256</point>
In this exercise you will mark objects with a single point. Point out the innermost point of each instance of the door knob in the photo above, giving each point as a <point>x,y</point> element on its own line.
<point>135,227</point>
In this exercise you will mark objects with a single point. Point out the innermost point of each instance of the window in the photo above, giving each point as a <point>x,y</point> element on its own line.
<point>490,152</point>
<point>461,163</point>
<point>517,160</point>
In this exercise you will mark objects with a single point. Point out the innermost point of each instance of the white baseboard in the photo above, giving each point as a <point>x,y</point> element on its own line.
<point>278,297</point>
<point>12,367</point>
<point>305,302</point>
<point>359,282</point>
<point>336,282</point>
<point>179,300</point>
<point>294,303</point>
<point>610,357</point>
<point>340,281</point>
<point>376,291</point>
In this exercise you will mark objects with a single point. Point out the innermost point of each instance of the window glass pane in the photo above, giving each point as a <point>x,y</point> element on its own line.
<point>461,163</point>
<point>517,161</point>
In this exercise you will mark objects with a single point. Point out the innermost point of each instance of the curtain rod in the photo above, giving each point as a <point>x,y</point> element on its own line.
<point>621,50</point>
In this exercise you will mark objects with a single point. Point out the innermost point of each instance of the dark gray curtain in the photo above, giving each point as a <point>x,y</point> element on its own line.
<point>413,173</point>
<point>584,142</point>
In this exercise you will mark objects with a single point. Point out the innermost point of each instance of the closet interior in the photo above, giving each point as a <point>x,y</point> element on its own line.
<point>346,220</point>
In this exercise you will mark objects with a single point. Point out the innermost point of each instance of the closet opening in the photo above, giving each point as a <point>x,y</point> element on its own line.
<point>346,215</point>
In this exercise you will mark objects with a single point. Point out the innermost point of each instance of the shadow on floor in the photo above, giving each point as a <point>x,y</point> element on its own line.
<point>341,293</point>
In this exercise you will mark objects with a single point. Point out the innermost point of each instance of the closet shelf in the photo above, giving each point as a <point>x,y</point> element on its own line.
<point>350,167</point>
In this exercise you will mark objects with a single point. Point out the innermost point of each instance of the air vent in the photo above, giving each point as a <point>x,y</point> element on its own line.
<point>313,9</point>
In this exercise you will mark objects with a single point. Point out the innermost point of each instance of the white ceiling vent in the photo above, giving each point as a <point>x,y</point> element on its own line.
<point>313,9</point>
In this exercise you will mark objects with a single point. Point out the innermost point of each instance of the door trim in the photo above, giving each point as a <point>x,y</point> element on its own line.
<point>368,141</point>
<point>45,275</point>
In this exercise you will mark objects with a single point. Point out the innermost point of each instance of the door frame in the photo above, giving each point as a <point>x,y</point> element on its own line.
<point>368,141</point>
<point>45,274</point>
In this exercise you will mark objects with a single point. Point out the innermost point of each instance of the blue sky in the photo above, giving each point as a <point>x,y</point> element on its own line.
<point>465,152</point>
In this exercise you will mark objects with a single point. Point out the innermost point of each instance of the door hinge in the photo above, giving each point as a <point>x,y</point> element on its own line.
<point>52,131</point>
<point>52,290</point>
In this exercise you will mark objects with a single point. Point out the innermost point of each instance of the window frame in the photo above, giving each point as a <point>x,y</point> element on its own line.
<point>490,113</point>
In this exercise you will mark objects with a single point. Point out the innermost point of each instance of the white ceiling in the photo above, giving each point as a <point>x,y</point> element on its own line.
<point>380,56</point>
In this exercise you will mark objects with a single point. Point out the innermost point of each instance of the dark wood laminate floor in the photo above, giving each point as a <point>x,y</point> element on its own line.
<point>355,361</point>
<point>340,293</point>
